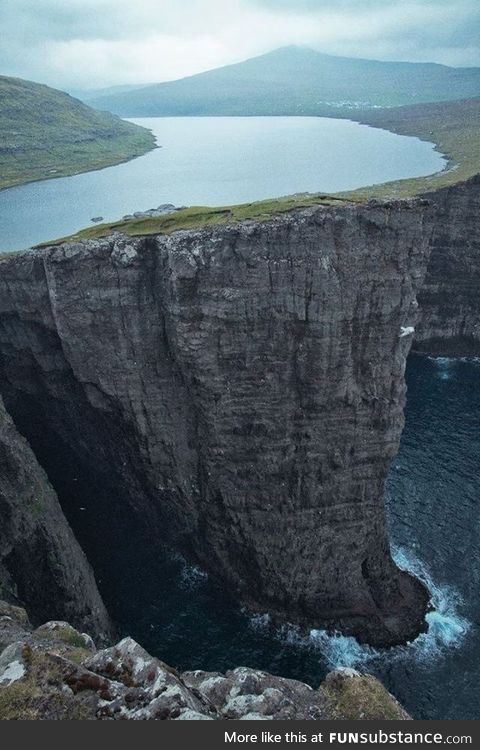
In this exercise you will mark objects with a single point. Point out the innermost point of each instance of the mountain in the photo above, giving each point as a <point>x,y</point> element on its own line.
<point>86,95</point>
<point>47,133</point>
<point>296,81</point>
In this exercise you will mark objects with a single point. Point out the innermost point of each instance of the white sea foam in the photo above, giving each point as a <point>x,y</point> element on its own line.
<point>445,366</point>
<point>259,622</point>
<point>341,650</point>
<point>192,577</point>
<point>451,360</point>
<point>446,628</point>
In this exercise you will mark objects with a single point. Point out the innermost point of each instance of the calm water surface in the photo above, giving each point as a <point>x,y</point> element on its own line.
<point>215,161</point>
<point>176,612</point>
<point>434,509</point>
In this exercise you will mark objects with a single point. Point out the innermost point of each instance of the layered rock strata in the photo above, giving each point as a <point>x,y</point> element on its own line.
<point>236,392</point>
<point>449,300</point>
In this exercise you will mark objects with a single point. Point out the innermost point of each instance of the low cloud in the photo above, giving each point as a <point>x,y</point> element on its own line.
<point>92,43</point>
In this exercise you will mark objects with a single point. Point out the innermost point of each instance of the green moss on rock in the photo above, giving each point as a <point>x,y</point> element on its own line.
<point>352,696</point>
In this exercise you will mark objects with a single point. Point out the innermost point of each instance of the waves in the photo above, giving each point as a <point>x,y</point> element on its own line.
<point>340,650</point>
<point>446,630</point>
<point>447,367</point>
<point>446,627</point>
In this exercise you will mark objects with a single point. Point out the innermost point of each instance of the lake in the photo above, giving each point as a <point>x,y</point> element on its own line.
<point>216,161</point>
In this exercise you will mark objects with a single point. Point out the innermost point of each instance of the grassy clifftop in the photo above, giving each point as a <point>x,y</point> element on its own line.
<point>454,127</point>
<point>46,133</point>
<point>196,217</point>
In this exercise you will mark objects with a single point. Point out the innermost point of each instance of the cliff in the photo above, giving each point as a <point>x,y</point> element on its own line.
<point>236,392</point>
<point>449,301</point>
<point>41,562</point>
<point>55,672</point>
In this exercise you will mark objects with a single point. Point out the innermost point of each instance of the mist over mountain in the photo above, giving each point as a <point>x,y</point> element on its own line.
<point>294,81</point>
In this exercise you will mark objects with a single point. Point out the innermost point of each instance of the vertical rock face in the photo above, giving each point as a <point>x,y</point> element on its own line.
<point>450,300</point>
<point>236,391</point>
<point>40,560</point>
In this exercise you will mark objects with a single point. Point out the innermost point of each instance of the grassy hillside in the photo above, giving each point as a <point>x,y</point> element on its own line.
<point>46,133</point>
<point>453,126</point>
<point>296,81</point>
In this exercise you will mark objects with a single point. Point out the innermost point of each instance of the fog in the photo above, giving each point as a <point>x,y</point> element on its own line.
<point>95,43</point>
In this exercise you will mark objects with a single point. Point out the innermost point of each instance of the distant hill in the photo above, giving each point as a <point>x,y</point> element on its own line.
<point>47,133</point>
<point>296,81</point>
<point>86,95</point>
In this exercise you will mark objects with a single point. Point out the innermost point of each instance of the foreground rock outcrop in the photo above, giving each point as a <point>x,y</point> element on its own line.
<point>41,563</point>
<point>55,672</point>
<point>236,392</point>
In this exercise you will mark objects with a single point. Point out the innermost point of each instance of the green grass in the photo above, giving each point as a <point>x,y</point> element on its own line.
<point>361,697</point>
<point>47,133</point>
<point>196,217</point>
<point>39,695</point>
<point>455,129</point>
<point>71,637</point>
<point>65,633</point>
<point>452,126</point>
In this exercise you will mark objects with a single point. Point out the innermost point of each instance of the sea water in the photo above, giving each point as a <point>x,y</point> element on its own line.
<point>433,497</point>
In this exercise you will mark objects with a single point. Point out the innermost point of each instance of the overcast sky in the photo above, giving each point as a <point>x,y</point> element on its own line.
<point>93,43</point>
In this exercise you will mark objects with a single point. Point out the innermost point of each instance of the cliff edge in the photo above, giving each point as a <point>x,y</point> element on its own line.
<point>236,392</point>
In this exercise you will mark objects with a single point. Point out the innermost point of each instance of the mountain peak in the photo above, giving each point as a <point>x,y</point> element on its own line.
<point>297,80</point>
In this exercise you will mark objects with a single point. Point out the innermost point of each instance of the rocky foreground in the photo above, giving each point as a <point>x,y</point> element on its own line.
<point>56,672</point>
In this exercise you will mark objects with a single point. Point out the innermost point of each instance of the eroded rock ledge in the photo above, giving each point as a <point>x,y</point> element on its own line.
<point>237,392</point>
<point>55,672</point>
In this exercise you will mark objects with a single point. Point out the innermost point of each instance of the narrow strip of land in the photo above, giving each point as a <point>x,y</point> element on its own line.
<point>452,126</point>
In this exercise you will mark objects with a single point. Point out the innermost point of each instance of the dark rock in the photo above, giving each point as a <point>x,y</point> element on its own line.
<point>237,392</point>
<point>41,563</point>
<point>42,677</point>
<point>449,300</point>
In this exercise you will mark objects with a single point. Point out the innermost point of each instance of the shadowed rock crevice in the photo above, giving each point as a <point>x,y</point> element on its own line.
<point>449,300</point>
<point>41,564</point>
<point>84,451</point>
<point>236,392</point>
